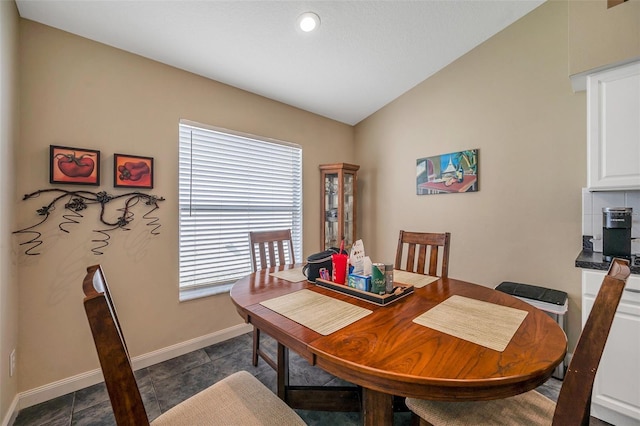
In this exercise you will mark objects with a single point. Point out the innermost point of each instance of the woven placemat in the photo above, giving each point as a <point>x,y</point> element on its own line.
<point>483,323</point>
<point>294,275</point>
<point>416,280</point>
<point>320,313</point>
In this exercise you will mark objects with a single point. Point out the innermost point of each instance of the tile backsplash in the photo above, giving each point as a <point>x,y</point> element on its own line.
<point>592,204</point>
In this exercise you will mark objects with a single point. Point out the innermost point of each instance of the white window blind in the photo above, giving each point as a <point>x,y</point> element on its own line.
<point>231,184</point>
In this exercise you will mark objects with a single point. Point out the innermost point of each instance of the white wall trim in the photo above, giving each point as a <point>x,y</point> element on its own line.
<point>151,358</point>
<point>89,378</point>
<point>579,80</point>
<point>59,388</point>
<point>10,418</point>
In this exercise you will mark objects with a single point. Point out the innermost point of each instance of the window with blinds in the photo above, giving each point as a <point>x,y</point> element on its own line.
<point>231,184</point>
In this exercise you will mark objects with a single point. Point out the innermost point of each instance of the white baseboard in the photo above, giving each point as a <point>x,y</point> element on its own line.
<point>10,418</point>
<point>89,378</point>
<point>151,358</point>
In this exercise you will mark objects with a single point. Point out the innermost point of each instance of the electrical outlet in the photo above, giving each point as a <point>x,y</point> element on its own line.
<point>12,363</point>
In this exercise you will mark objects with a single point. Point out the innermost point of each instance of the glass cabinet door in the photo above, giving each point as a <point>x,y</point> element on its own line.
<point>339,185</point>
<point>349,219</point>
<point>331,232</point>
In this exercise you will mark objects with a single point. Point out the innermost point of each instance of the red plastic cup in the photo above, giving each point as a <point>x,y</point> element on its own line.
<point>339,265</point>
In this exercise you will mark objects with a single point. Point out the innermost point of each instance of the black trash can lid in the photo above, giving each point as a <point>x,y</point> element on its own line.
<point>533,292</point>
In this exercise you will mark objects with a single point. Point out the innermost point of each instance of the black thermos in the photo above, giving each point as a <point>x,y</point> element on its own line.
<point>616,232</point>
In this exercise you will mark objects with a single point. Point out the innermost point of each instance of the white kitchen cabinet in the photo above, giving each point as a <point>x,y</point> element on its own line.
<point>613,133</point>
<point>616,392</point>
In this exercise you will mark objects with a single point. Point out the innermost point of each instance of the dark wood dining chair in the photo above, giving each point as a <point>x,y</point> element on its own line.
<point>533,408</point>
<point>238,399</point>
<point>270,248</point>
<point>425,246</point>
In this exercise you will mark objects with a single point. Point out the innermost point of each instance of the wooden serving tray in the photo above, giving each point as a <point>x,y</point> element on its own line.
<point>382,300</point>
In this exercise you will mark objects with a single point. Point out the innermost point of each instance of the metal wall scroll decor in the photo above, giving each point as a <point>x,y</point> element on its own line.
<point>77,201</point>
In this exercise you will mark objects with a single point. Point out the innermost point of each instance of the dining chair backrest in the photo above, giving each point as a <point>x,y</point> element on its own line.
<point>270,246</point>
<point>574,401</point>
<point>422,253</point>
<point>273,248</point>
<point>573,406</point>
<point>126,401</point>
<point>239,398</point>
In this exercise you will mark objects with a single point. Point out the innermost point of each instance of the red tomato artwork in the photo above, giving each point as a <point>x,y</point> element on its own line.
<point>74,165</point>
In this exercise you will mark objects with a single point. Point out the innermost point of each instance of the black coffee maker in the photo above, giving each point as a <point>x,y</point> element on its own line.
<point>616,232</point>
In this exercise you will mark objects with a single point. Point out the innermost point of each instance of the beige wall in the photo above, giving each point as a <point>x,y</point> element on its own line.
<point>8,134</point>
<point>599,36</point>
<point>511,98</point>
<point>79,93</point>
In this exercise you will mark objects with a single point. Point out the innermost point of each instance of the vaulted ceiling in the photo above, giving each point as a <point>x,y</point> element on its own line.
<point>363,55</point>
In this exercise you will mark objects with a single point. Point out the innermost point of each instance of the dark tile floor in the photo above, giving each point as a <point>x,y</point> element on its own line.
<point>166,384</point>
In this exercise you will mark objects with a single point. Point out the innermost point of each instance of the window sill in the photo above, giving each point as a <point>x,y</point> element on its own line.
<point>187,294</point>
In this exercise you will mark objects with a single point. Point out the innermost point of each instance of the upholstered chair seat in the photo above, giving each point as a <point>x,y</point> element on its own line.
<point>530,408</point>
<point>239,399</point>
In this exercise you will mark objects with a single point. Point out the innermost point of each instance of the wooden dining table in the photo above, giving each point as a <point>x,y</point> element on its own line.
<point>389,356</point>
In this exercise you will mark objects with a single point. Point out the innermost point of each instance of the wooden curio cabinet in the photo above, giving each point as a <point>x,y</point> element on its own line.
<point>338,205</point>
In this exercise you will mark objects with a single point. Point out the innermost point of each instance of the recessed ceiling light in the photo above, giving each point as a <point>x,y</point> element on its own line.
<point>308,21</point>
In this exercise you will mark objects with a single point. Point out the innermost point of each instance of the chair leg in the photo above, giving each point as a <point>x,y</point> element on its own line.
<point>418,421</point>
<point>259,353</point>
<point>415,420</point>
<point>281,365</point>
<point>256,345</point>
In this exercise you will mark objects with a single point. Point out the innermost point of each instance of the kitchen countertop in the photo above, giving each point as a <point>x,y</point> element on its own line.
<point>588,259</point>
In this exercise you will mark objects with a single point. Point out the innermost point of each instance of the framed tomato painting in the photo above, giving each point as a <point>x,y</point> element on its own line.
<point>74,165</point>
<point>132,171</point>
